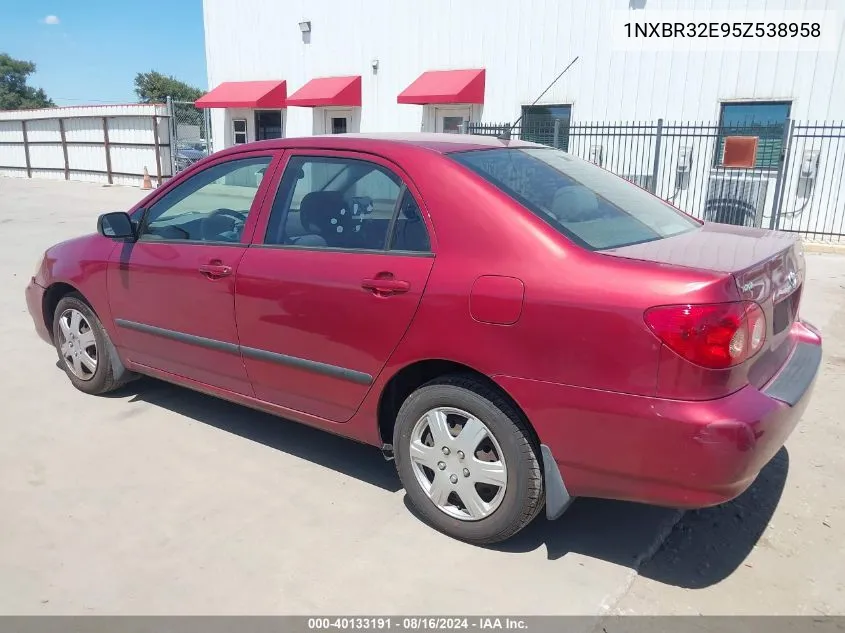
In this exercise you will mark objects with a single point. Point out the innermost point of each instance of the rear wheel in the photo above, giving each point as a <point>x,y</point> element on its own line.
<point>468,461</point>
<point>85,351</point>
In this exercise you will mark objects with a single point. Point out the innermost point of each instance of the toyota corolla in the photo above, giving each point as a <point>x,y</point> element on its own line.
<point>515,326</point>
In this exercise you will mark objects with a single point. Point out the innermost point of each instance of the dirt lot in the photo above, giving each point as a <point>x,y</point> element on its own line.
<point>160,500</point>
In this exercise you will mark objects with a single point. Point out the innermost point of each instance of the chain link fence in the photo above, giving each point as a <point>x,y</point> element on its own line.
<point>796,183</point>
<point>190,132</point>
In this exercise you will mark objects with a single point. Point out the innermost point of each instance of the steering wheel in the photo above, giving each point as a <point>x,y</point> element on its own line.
<point>237,216</point>
<point>222,221</point>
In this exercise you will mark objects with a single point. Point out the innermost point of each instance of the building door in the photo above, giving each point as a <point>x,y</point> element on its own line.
<point>449,119</point>
<point>338,121</point>
<point>268,124</point>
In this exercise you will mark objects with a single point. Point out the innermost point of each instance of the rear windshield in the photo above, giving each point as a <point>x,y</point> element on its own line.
<point>589,205</point>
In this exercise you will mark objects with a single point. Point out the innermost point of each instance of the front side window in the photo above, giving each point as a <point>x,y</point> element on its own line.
<point>326,202</point>
<point>211,206</point>
<point>589,205</point>
<point>765,120</point>
<point>539,121</point>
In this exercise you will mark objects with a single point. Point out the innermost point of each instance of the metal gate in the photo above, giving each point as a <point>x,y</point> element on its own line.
<point>797,183</point>
<point>190,129</point>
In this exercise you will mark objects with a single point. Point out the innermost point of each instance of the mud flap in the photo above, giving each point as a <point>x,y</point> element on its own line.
<point>557,497</point>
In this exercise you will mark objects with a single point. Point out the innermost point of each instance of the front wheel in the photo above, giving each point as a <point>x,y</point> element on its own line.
<point>85,351</point>
<point>467,460</point>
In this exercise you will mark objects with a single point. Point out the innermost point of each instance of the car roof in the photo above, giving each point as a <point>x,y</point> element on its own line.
<point>387,143</point>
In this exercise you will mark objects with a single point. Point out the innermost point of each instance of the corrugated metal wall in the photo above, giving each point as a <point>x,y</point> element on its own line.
<point>138,137</point>
<point>523,44</point>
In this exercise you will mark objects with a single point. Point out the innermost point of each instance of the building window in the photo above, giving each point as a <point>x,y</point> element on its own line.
<point>765,120</point>
<point>239,131</point>
<point>268,124</point>
<point>452,124</point>
<point>538,124</point>
<point>338,125</point>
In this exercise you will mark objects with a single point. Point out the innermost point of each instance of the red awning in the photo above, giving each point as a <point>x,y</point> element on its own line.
<point>245,94</point>
<point>445,86</point>
<point>328,91</point>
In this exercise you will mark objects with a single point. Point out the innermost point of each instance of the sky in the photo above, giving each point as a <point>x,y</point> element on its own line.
<point>89,51</point>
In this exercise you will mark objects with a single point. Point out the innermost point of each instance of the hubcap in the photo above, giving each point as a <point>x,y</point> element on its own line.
<point>458,463</point>
<point>77,344</point>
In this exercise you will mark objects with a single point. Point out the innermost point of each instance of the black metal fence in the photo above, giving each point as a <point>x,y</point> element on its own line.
<point>796,182</point>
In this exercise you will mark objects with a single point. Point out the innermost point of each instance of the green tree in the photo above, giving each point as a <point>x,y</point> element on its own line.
<point>153,87</point>
<point>14,93</point>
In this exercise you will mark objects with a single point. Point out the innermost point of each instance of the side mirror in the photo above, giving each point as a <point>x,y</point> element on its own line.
<point>116,225</point>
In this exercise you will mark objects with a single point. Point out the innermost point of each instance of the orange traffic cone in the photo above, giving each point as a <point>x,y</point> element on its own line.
<point>147,184</point>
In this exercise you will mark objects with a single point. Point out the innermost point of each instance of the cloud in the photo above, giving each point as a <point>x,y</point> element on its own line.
<point>51,19</point>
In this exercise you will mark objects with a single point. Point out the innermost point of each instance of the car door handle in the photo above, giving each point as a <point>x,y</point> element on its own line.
<point>385,286</point>
<point>215,271</point>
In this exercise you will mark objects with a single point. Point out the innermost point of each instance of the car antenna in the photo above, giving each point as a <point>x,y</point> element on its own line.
<point>506,135</point>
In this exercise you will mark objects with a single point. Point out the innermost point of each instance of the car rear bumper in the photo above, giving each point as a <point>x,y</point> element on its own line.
<point>669,452</point>
<point>34,303</point>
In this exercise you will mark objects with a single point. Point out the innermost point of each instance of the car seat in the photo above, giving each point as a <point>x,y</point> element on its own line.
<point>411,234</point>
<point>316,212</point>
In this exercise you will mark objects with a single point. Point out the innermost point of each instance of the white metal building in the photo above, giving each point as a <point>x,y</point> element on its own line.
<point>322,66</point>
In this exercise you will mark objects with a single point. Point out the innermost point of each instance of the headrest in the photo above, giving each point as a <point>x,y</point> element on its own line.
<point>317,208</point>
<point>574,203</point>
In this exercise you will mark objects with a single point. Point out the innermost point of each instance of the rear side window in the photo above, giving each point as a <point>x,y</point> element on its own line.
<point>584,202</point>
<point>409,232</point>
<point>344,203</point>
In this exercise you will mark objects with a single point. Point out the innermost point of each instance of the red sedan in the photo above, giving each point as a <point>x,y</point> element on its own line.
<point>515,326</point>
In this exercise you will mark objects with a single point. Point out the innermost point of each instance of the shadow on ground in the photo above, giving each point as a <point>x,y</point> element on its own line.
<point>350,458</point>
<point>693,550</point>
<point>703,548</point>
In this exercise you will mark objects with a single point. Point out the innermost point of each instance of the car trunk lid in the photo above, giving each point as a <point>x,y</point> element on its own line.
<point>768,268</point>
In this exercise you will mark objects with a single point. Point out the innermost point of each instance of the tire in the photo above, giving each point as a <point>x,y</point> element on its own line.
<point>507,441</point>
<point>108,373</point>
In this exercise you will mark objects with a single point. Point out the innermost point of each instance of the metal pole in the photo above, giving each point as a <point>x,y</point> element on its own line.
<point>556,135</point>
<point>157,150</point>
<point>64,147</point>
<point>658,140</point>
<point>107,150</point>
<point>206,113</point>
<point>171,132</point>
<point>777,199</point>
<point>26,149</point>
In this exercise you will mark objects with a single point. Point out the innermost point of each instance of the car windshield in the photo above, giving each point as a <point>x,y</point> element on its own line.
<point>589,205</point>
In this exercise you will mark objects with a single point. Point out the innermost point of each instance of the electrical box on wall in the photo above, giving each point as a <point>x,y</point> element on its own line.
<point>684,164</point>
<point>810,164</point>
<point>683,167</point>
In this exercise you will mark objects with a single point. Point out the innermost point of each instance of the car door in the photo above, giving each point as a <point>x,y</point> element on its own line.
<point>172,291</point>
<point>331,284</point>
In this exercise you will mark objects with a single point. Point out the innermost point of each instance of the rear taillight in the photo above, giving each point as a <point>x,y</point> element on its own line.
<point>713,335</point>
